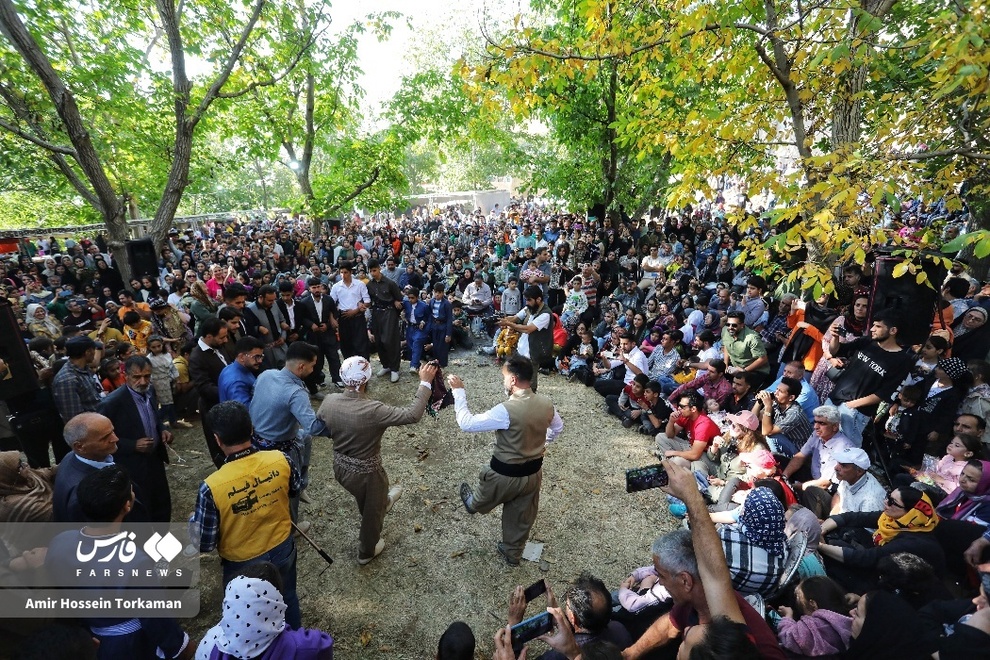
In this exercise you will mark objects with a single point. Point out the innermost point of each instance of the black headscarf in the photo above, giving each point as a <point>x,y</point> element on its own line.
<point>891,629</point>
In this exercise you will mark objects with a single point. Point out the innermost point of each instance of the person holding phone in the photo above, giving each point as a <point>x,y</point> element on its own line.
<point>523,425</point>
<point>708,616</point>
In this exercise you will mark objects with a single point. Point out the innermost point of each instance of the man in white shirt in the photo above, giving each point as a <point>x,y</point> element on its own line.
<point>533,323</point>
<point>652,268</point>
<point>523,425</point>
<point>858,489</point>
<point>352,300</point>
<point>629,356</point>
<point>477,295</point>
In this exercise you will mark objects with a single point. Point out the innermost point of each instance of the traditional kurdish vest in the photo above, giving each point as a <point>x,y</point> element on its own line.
<point>541,341</point>
<point>252,498</point>
<point>529,416</point>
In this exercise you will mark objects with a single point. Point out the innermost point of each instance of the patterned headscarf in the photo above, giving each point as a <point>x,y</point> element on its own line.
<point>355,371</point>
<point>953,367</point>
<point>253,617</point>
<point>763,521</point>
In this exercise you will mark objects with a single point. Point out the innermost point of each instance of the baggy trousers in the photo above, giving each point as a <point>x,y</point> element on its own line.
<point>370,490</point>
<point>520,500</point>
<point>354,337</point>
<point>385,327</point>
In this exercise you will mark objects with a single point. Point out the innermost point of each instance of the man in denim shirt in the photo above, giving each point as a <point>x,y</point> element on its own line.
<point>283,417</point>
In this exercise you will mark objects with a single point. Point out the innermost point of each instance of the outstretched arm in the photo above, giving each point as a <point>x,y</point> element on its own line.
<point>712,567</point>
<point>494,420</point>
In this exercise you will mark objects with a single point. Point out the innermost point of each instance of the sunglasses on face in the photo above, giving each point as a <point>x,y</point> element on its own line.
<point>892,502</point>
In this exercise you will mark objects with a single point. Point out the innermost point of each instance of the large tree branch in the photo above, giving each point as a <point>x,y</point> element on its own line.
<point>37,141</point>
<point>228,67</point>
<point>601,57</point>
<point>375,173</point>
<point>965,152</point>
<point>106,200</point>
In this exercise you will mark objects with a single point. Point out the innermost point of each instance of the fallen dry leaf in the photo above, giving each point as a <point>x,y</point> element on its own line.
<point>459,553</point>
<point>365,638</point>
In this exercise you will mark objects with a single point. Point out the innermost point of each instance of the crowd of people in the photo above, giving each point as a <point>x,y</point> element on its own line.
<point>836,475</point>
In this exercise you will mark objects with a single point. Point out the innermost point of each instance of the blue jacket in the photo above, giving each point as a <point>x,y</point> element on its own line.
<point>445,316</point>
<point>413,316</point>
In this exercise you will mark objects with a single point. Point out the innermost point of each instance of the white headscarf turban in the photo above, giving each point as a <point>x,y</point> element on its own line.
<point>355,371</point>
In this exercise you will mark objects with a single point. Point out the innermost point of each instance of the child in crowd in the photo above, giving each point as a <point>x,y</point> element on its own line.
<point>945,474</point>
<point>901,429</point>
<point>580,360</point>
<point>651,341</point>
<point>530,271</point>
<point>110,375</point>
<point>641,589</point>
<point>417,316</point>
<point>163,374</point>
<point>137,331</point>
<point>575,304</point>
<point>818,625</point>
<point>511,298</point>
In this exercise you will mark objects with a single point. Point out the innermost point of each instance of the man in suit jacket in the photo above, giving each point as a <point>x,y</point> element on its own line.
<point>271,326</point>
<point>235,298</point>
<point>93,442</point>
<point>320,317</point>
<point>133,411</point>
<point>292,312</point>
<point>205,364</point>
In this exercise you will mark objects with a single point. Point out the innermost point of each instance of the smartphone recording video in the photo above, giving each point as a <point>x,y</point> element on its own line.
<point>535,590</point>
<point>531,628</point>
<point>645,478</point>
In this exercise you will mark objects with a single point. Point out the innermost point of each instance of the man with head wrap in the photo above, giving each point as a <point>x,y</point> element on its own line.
<point>356,425</point>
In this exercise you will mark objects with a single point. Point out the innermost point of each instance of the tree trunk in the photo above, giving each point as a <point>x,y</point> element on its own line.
<point>611,162</point>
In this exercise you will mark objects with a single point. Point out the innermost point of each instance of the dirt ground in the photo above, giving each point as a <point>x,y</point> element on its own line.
<point>440,564</point>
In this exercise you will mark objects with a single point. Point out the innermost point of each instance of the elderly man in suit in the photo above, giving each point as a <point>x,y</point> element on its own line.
<point>205,364</point>
<point>93,442</point>
<point>356,425</point>
<point>133,411</point>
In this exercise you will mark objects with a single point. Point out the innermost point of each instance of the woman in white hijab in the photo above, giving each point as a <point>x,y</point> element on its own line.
<point>41,324</point>
<point>253,626</point>
<point>694,324</point>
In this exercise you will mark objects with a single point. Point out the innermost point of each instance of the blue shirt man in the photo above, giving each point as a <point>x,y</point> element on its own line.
<point>237,379</point>
<point>282,415</point>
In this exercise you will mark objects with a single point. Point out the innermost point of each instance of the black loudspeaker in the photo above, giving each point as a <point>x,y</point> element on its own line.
<point>20,377</point>
<point>142,257</point>
<point>915,303</point>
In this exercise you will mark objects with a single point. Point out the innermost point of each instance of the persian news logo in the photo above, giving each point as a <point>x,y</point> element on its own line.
<point>122,547</point>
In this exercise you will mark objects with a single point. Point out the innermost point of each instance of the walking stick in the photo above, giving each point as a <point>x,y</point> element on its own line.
<point>327,558</point>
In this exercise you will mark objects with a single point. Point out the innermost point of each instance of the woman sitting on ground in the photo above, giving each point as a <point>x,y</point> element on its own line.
<point>905,525</point>
<point>885,626</point>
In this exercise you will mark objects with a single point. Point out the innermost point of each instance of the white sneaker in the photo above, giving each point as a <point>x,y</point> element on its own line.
<point>395,376</point>
<point>382,372</point>
<point>413,370</point>
<point>379,547</point>
<point>394,494</point>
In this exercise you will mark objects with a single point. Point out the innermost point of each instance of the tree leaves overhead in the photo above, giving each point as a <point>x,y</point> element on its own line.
<point>826,111</point>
